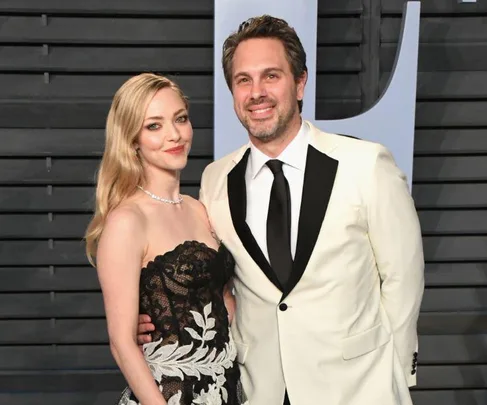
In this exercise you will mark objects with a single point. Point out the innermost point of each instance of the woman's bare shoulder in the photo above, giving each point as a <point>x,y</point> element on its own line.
<point>195,204</point>
<point>127,214</point>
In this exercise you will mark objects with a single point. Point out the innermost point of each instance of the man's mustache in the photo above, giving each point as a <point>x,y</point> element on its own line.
<point>259,102</point>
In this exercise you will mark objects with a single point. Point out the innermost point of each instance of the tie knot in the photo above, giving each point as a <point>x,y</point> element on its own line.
<point>275,165</point>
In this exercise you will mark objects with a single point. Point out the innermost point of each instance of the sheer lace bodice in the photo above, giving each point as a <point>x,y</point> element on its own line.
<point>184,280</point>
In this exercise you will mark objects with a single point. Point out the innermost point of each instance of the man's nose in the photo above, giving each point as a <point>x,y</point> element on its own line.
<point>258,90</point>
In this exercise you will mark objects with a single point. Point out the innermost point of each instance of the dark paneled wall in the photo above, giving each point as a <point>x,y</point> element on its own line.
<point>61,62</point>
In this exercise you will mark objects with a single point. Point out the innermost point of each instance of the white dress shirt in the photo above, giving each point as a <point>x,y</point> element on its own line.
<point>259,179</point>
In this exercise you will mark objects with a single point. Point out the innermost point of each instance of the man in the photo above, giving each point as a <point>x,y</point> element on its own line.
<point>329,274</point>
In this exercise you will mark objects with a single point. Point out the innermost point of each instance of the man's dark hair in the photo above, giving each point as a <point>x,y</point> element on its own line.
<point>266,27</point>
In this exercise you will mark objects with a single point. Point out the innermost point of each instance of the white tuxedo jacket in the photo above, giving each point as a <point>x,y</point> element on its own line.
<point>342,331</point>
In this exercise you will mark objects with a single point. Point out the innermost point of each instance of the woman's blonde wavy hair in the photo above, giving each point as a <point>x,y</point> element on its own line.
<point>120,170</point>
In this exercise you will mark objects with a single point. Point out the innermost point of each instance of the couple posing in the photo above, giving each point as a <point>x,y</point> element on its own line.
<point>298,277</point>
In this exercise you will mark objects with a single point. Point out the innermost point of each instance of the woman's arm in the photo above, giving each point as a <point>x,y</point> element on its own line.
<point>119,257</point>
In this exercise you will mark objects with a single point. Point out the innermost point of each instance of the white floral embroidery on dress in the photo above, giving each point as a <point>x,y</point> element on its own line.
<point>169,360</point>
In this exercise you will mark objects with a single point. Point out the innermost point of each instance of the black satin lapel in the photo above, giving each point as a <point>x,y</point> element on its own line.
<point>319,177</point>
<point>237,199</point>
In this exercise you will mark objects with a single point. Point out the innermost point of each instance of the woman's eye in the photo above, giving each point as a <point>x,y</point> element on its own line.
<point>153,127</point>
<point>182,119</point>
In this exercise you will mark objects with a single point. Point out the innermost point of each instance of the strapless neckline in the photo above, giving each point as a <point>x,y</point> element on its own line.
<point>182,245</point>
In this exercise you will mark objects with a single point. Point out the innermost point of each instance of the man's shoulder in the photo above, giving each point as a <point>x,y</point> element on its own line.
<point>225,163</point>
<point>358,153</point>
<point>226,160</point>
<point>344,146</point>
<point>359,145</point>
<point>351,142</point>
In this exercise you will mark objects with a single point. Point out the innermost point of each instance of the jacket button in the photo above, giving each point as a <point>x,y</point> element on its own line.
<point>283,307</point>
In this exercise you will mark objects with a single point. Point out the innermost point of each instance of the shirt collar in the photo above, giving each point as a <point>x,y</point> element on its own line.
<point>294,155</point>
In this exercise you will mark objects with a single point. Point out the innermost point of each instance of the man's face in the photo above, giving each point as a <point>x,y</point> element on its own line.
<point>265,92</point>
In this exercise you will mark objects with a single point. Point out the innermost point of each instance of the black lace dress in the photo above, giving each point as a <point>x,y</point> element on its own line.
<point>192,355</point>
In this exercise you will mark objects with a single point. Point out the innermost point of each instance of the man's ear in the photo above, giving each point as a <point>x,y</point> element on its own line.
<point>301,83</point>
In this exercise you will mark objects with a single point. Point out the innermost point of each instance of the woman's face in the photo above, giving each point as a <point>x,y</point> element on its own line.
<point>165,139</point>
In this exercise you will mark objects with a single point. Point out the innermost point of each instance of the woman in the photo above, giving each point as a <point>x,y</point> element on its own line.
<point>155,254</point>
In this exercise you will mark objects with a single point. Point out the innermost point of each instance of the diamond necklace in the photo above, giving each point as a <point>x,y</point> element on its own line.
<point>164,200</point>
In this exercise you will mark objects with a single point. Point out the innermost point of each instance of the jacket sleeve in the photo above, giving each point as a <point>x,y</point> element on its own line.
<point>202,194</point>
<point>395,236</point>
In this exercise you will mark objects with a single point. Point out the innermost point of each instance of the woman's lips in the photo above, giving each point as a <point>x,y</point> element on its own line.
<point>176,150</point>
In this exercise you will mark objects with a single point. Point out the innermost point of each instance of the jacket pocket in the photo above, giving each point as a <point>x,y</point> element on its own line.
<point>364,342</point>
<point>242,350</point>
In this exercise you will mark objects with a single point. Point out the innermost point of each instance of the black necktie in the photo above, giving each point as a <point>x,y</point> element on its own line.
<point>279,224</point>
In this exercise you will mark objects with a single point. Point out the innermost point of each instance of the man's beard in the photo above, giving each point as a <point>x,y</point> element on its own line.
<point>275,131</point>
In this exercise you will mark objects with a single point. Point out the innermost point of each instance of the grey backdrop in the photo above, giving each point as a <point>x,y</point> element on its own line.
<point>60,63</point>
